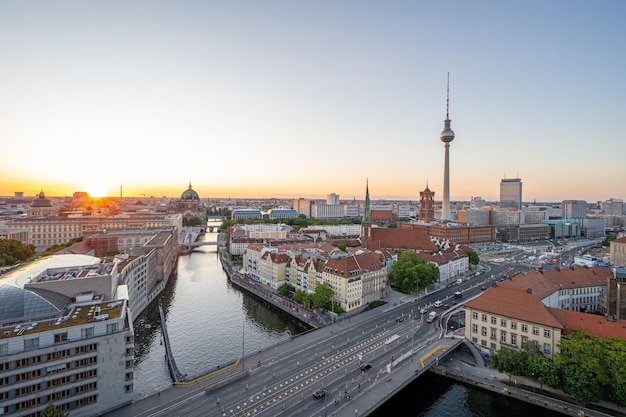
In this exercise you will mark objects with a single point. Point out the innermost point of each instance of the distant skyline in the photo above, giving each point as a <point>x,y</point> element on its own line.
<point>302,99</point>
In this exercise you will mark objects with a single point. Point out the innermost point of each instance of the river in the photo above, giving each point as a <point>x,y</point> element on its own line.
<point>210,323</point>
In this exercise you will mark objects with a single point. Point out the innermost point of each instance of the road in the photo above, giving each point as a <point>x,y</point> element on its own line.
<point>281,380</point>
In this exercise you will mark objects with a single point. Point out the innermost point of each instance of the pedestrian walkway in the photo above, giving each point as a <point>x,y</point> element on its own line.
<point>460,366</point>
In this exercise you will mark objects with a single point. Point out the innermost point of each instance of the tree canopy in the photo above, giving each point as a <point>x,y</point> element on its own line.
<point>590,368</point>
<point>52,411</point>
<point>410,273</point>
<point>13,252</point>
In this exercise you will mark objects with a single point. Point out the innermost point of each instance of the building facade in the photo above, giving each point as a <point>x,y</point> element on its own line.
<point>64,338</point>
<point>511,193</point>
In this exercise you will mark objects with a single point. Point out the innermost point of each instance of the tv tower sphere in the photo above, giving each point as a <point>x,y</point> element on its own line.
<point>446,135</point>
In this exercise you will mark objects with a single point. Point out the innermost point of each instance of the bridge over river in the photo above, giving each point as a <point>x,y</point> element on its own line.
<point>359,362</point>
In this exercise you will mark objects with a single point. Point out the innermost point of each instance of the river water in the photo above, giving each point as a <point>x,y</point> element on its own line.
<point>210,323</point>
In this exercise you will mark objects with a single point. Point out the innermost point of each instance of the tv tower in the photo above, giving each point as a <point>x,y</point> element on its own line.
<point>446,136</point>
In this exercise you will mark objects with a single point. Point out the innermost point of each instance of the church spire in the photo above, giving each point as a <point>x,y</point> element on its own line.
<point>367,212</point>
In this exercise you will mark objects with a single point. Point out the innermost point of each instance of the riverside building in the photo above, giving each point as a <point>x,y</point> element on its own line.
<point>66,338</point>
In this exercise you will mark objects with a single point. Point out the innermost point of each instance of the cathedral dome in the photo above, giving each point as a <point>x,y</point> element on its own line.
<point>189,194</point>
<point>41,201</point>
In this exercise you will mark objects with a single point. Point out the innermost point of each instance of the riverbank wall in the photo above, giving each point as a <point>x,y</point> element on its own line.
<point>306,316</point>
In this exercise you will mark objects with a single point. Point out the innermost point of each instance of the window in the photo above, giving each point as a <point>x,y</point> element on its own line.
<point>525,328</point>
<point>502,336</point>
<point>86,333</point>
<point>111,328</point>
<point>4,349</point>
<point>60,337</point>
<point>475,315</point>
<point>474,328</point>
<point>483,331</point>
<point>493,334</point>
<point>546,348</point>
<point>513,339</point>
<point>535,330</point>
<point>503,322</point>
<point>32,343</point>
<point>514,325</point>
<point>494,320</point>
<point>546,333</point>
<point>483,317</point>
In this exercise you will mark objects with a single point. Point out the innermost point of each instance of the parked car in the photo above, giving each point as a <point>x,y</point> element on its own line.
<point>364,366</point>
<point>320,393</point>
<point>423,311</point>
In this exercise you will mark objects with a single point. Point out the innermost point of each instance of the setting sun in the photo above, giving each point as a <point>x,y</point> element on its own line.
<point>97,191</point>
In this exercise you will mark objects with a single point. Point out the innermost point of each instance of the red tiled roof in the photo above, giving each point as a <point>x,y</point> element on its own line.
<point>547,282</point>
<point>620,240</point>
<point>442,258</point>
<point>399,239</point>
<point>513,302</point>
<point>359,262</point>
<point>592,323</point>
<point>385,215</point>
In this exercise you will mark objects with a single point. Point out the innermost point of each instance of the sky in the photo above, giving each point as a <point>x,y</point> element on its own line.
<point>306,98</point>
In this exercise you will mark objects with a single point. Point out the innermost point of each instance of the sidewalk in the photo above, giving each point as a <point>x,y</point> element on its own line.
<point>460,366</point>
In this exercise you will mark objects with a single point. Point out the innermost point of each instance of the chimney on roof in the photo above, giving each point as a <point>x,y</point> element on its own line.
<point>529,290</point>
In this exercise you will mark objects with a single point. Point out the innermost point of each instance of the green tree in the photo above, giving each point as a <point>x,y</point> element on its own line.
<point>52,411</point>
<point>342,247</point>
<point>473,256</point>
<point>607,241</point>
<point>509,361</point>
<point>543,370</point>
<point>591,367</point>
<point>286,289</point>
<point>322,295</point>
<point>410,273</point>
<point>303,298</point>
<point>13,252</point>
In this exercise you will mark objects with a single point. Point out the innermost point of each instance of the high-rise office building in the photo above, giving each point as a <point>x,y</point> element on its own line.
<point>446,136</point>
<point>614,207</point>
<point>511,193</point>
<point>332,198</point>
<point>574,209</point>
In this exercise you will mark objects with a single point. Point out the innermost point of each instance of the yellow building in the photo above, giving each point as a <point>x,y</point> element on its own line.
<point>618,252</point>
<point>508,317</point>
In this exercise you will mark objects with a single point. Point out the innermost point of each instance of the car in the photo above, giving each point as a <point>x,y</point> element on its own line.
<point>483,288</point>
<point>364,366</point>
<point>320,393</point>
<point>399,319</point>
<point>423,311</point>
<point>446,306</point>
<point>438,303</point>
<point>452,302</point>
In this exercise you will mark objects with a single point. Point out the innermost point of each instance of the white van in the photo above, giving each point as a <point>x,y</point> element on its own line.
<point>438,303</point>
<point>431,316</point>
<point>459,281</point>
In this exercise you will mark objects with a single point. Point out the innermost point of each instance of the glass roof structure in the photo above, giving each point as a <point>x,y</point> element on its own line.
<point>17,302</point>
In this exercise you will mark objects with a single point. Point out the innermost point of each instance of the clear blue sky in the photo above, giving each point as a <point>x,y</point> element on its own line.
<point>306,98</point>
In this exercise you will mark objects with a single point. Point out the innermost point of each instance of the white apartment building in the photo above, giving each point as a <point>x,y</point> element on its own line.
<point>327,211</point>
